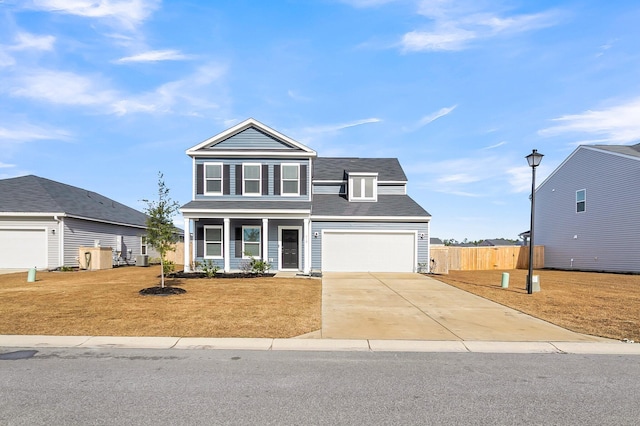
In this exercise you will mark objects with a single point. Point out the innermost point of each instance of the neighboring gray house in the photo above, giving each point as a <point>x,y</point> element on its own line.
<point>43,223</point>
<point>588,210</point>
<point>257,192</point>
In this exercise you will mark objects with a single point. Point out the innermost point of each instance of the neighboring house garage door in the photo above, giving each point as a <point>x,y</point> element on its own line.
<point>23,248</point>
<point>368,251</point>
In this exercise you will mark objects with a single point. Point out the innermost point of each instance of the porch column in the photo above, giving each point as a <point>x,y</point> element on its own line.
<point>307,246</point>
<point>265,240</point>
<point>187,243</point>
<point>226,232</point>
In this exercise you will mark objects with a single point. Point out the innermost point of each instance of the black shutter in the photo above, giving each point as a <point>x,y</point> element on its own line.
<point>276,179</point>
<point>200,179</point>
<point>199,241</point>
<point>226,181</point>
<point>238,179</point>
<point>238,242</point>
<point>303,179</point>
<point>265,179</point>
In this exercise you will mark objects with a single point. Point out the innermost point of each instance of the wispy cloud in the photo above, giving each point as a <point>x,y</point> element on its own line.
<point>127,13</point>
<point>430,118</point>
<point>499,144</point>
<point>367,3</point>
<point>617,124</point>
<point>330,128</point>
<point>455,24</point>
<point>297,97</point>
<point>5,165</point>
<point>27,41</point>
<point>29,133</point>
<point>155,56</point>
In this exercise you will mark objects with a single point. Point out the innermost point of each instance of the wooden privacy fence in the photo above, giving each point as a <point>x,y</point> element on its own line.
<point>484,258</point>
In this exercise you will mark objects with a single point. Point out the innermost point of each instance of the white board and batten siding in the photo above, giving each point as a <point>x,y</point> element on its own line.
<point>606,236</point>
<point>369,246</point>
<point>29,243</point>
<point>83,233</point>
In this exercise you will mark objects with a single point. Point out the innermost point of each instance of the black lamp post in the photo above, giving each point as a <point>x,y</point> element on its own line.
<point>534,160</point>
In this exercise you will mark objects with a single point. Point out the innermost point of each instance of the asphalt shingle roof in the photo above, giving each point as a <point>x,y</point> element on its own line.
<point>387,205</point>
<point>246,205</point>
<point>334,168</point>
<point>33,194</point>
<point>633,150</point>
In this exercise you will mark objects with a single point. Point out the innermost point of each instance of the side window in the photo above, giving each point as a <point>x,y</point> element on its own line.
<point>213,178</point>
<point>251,181</point>
<point>581,200</point>
<point>143,245</point>
<point>290,179</point>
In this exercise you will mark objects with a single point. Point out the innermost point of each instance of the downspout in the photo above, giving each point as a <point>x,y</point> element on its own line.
<point>60,232</point>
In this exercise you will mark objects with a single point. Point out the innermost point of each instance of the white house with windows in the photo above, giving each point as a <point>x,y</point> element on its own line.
<point>588,210</point>
<point>258,193</point>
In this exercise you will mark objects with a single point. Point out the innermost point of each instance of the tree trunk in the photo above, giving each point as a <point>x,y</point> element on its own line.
<point>162,271</point>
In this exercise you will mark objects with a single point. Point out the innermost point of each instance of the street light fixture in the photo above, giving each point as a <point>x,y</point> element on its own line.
<point>534,160</point>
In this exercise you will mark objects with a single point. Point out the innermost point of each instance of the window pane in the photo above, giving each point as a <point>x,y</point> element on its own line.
<point>251,234</point>
<point>252,187</point>
<point>357,187</point>
<point>213,234</point>
<point>252,172</point>
<point>290,187</point>
<point>290,172</point>
<point>580,195</point>
<point>214,171</point>
<point>580,206</point>
<point>368,187</point>
<point>252,249</point>
<point>214,249</point>
<point>214,186</point>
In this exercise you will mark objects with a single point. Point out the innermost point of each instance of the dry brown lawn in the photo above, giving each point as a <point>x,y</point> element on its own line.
<point>107,303</point>
<point>606,305</point>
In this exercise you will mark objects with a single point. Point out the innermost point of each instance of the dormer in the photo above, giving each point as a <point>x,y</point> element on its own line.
<point>362,186</point>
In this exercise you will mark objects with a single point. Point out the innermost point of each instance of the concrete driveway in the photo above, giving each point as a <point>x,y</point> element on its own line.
<point>415,307</point>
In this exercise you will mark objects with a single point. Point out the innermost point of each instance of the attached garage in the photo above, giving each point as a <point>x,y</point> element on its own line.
<point>368,251</point>
<point>23,248</point>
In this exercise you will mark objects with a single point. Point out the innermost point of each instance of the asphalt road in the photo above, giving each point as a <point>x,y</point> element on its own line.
<point>172,387</point>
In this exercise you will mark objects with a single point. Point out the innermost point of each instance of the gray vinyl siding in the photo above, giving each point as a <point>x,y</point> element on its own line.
<point>53,240</point>
<point>270,181</point>
<point>340,189</point>
<point>391,190</point>
<point>82,233</point>
<point>316,242</point>
<point>252,138</point>
<point>606,236</point>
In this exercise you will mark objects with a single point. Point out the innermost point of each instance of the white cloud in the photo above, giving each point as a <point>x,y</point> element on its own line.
<point>5,165</point>
<point>128,13</point>
<point>155,56</point>
<point>367,3</point>
<point>29,133</point>
<point>430,118</point>
<point>618,124</point>
<point>447,39</point>
<point>26,41</point>
<point>330,128</point>
<point>499,144</point>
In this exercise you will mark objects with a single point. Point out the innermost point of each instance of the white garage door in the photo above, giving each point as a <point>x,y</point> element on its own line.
<point>23,248</point>
<point>368,251</point>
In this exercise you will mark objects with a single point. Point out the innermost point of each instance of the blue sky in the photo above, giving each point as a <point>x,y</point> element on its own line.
<point>103,94</point>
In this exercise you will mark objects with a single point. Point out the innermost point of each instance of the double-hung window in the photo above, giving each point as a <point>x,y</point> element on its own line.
<point>251,180</point>
<point>213,242</point>
<point>213,178</point>
<point>143,244</point>
<point>290,179</point>
<point>251,241</point>
<point>581,200</point>
<point>363,187</point>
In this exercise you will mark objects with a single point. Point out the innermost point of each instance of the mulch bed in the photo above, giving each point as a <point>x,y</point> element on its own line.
<point>161,291</point>
<point>182,274</point>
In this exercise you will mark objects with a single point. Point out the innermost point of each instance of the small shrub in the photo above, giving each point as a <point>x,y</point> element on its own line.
<point>209,268</point>
<point>66,269</point>
<point>168,267</point>
<point>253,265</point>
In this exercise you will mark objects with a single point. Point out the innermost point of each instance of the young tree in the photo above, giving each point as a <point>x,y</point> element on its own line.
<point>160,230</point>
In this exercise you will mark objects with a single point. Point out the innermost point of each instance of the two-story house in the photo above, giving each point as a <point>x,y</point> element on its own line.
<point>258,193</point>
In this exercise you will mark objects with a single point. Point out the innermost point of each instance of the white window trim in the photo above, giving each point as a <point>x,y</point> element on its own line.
<point>363,175</point>
<point>144,246</point>
<point>583,201</point>
<point>205,192</point>
<point>220,227</point>
<point>259,228</point>
<point>244,179</point>
<point>282,180</point>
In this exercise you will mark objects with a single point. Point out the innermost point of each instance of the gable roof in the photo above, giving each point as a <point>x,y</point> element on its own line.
<point>33,194</point>
<point>246,138</point>
<point>336,168</point>
<point>631,150</point>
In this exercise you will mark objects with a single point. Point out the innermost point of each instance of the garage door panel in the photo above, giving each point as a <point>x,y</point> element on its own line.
<point>23,248</point>
<point>368,252</point>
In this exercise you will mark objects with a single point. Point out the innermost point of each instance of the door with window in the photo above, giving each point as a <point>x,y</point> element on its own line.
<point>290,249</point>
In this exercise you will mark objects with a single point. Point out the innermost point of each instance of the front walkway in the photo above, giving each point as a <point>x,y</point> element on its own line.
<point>415,307</point>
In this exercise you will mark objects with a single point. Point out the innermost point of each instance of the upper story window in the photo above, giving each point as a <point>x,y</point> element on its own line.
<point>363,187</point>
<point>290,179</point>
<point>213,178</point>
<point>581,200</point>
<point>251,179</point>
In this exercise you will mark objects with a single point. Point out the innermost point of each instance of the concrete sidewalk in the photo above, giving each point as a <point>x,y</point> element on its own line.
<point>416,307</point>
<point>97,342</point>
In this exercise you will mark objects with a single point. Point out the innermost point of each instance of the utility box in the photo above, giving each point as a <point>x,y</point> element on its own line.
<point>142,260</point>
<point>95,258</point>
<point>535,283</point>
